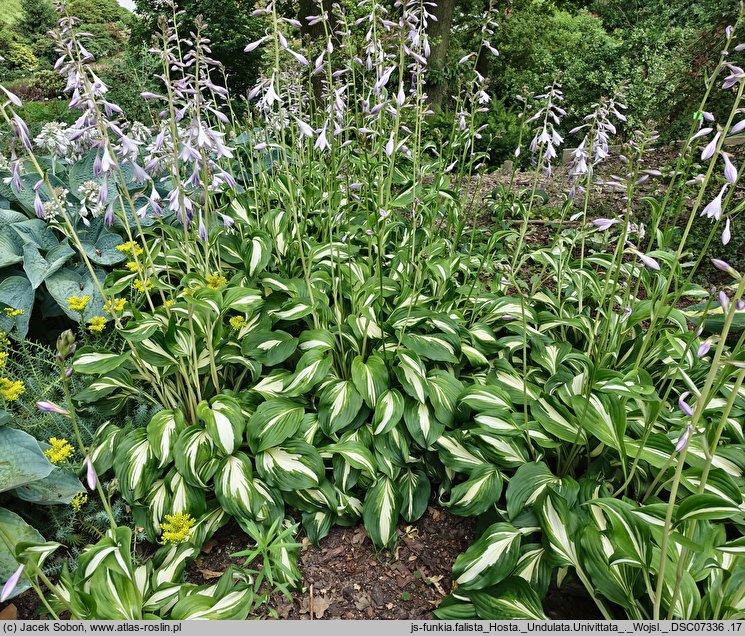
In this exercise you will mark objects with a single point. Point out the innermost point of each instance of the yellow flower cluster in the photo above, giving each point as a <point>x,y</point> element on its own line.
<point>12,313</point>
<point>215,281</point>
<point>131,266</point>
<point>4,342</point>
<point>236,322</point>
<point>176,528</point>
<point>114,306</point>
<point>97,324</point>
<point>79,500</point>
<point>168,303</point>
<point>3,358</point>
<point>11,390</point>
<point>130,247</point>
<point>60,451</point>
<point>139,286</point>
<point>78,303</point>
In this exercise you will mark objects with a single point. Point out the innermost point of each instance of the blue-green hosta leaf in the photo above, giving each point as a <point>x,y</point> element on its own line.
<point>21,459</point>
<point>162,432</point>
<point>194,455</point>
<point>439,347</point>
<point>477,494</point>
<point>317,525</point>
<point>312,368</point>
<point>89,360</point>
<point>355,454</point>
<point>18,531</point>
<point>11,245</point>
<point>412,375</point>
<point>705,507</point>
<point>338,406</point>
<point>457,454</point>
<point>388,412</point>
<point>59,487</point>
<point>370,378</point>
<point>512,599</point>
<point>224,421</point>
<point>68,282</point>
<point>293,466</point>
<point>422,424</point>
<point>490,559</point>
<point>486,397</point>
<point>414,488</point>
<point>380,512</point>
<point>38,267</point>
<point>135,465</point>
<point>16,292</point>
<point>444,392</point>
<point>273,422</point>
<point>258,252</point>
<point>242,300</point>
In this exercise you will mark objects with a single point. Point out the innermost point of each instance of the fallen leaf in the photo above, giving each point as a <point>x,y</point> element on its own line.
<point>435,580</point>
<point>389,606</point>
<point>207,547</point>
<point>10,613</point>
<point>363,603</point>
<point>356,586</point>
<point>210,574</point>
<point>320,605</point>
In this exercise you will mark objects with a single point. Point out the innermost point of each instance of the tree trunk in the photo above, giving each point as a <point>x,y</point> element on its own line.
<point>439,36</point>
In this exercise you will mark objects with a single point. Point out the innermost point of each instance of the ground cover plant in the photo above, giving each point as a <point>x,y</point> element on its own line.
<point>296,316</point>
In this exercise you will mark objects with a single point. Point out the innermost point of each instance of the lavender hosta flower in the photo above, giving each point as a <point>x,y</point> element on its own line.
<point>738,127</point>
<point>322,142</point>
<point>703,348</point>
<point>254,45</point>
<point>730,172</point>
<point>724,301</point>
<point>227,221</point>
<point>648,262</point>
<point>710,148</point>
<point>605,224</point>
<point>51,407</point>
<point>740,305</point>
<point>684,405</point>
<point>683,439</point>
<point>390,145</point>
<point>90,473</point>
<point>202,228</point>
<point>11,584</point>
<point>714,209</point>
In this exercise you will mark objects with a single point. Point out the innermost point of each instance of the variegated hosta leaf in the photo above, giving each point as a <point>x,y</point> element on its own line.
<point>258,252</point>
<point>512,599</point>
<point>234,485</point>
<point>490,559</point>
<point>118,382</point>
<point>209,523</point>
<point>293,466</point>
<point>321,339</point>
<point>422,424</point>
<point>483,338</point>
<point>557,523</point>
<point>242,300</point>
<point>558,421</point>
<point>457,454</point>
<point>415,490</point>
<point>338,406</point>
<point>478,493</point>
<point>487,397</point>
<point>412,375</point>
<point>705,507</point>
<point>268,347</point>
<point>370,378</point>
<point>317,525</point>
<point>355,454</point>
<point>388,411</point>
<point>273,422</point>
<point>439,347</point>
<point>135,465</point>
<point>504,451</point>
<point>162,432</point>
<point>224,421</point>
<point>312,368</point>
<point>92,361</point>
<point>183,497</point>
<point>380,512</point>
<point>104,443</point>
<point>194,455</point>
<point>445,390</point>
<point>604,416</point>
<point>533,566</point>
<point>169,563</point>
<point>631,537</point>
<point>321,499</point>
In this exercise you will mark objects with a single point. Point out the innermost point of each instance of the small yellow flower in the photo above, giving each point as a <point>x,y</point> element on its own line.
<point>168,303</point>
<point>11,390</point>
<point>78,303</point>
<point>12,313</point>
<point>114,306</point>
<point>4,340</point>
<point>215,281</point>
<point>60,451</point>
<point>176,528</point>
<point>139,286</point>
<point>97,324</point>
<point>236,322</point>
<point>79,500</point>
<point>131,266</point>
<point>130,247</point>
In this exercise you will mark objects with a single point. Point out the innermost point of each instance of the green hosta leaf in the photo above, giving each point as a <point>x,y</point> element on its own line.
<point>162,432</point>
<point>705,507</point>
<point>355,454</point>
<point>422,424</point>
<point>292,466</point>
<point>273,422</point>
<point>437,347</point>
<point>412,375</point>
<point>234,487</point>
<point>135,465</point>
<point>414,488</point>
<point>512,599</point>
<point>17,530</point>
<point>490,559</point>
<point>370,378</point>
<point>477,494</point>
<point>258,253</point>
<point>317,525</point>
<point>194,455</point>
<point>388,411</point>
<point>92,361</point>
<point>224,422</point>
<point>21,459</point>
<point>338,406</point>
<point>269,347</point>
<point>380,512</point>
<point>242,300</point>
<point>312,368</point>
